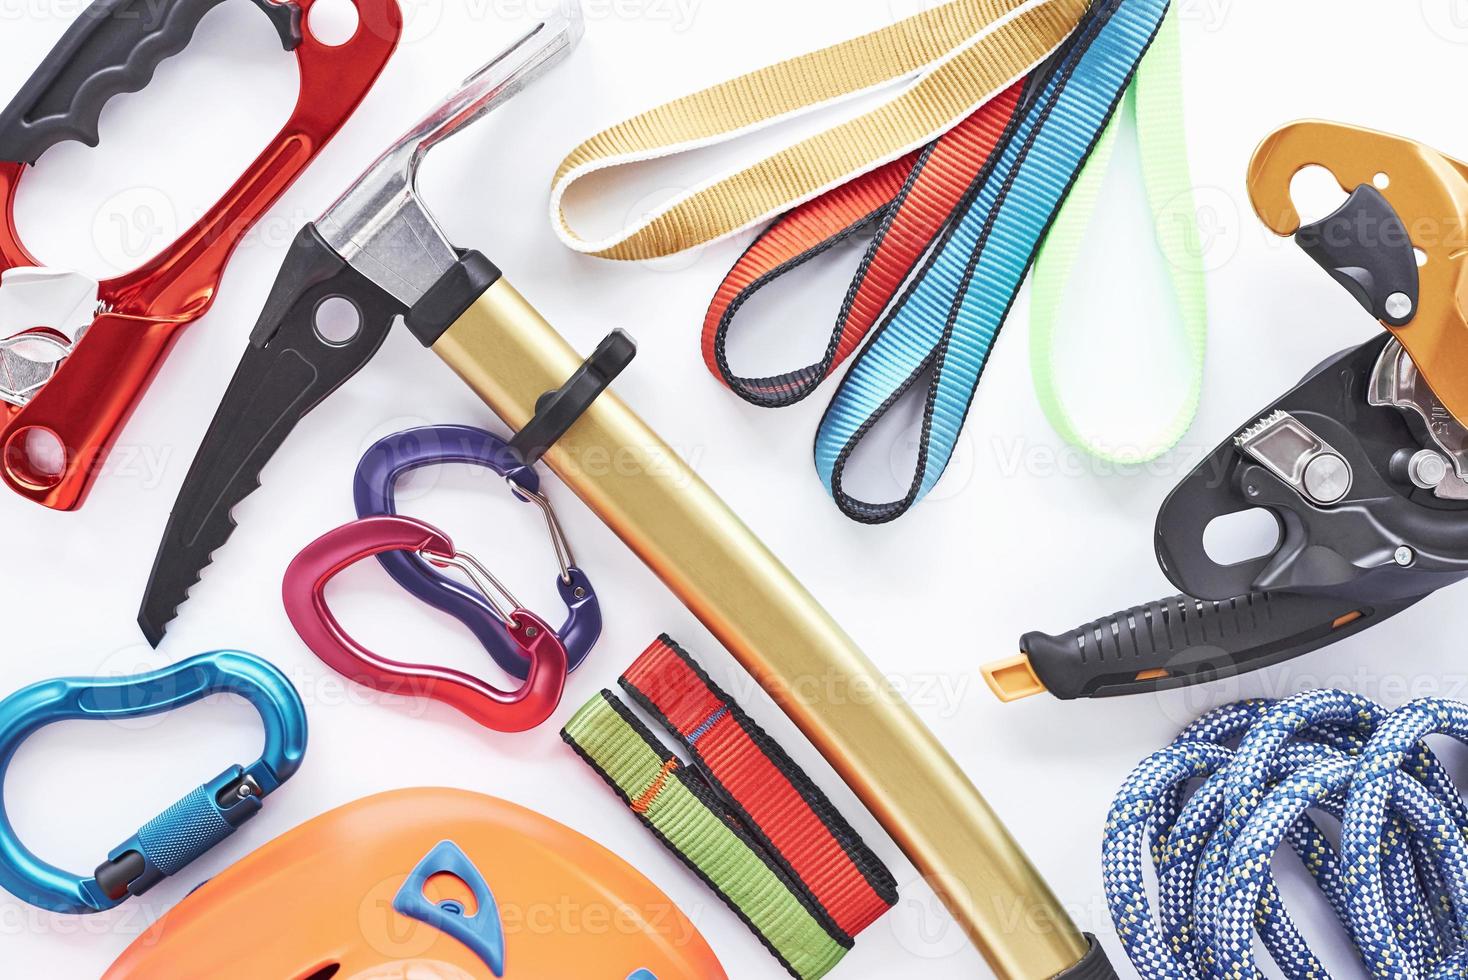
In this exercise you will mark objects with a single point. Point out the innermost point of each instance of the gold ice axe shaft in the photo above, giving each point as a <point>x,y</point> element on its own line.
<point>639,486</point>
<point>461,307</point>
<point>1428,191</point>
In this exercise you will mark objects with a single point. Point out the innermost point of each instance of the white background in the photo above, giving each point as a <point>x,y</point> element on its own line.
<point>1023,533</point>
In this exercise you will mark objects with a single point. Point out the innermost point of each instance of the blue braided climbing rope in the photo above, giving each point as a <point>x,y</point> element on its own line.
<point>1211,811</point>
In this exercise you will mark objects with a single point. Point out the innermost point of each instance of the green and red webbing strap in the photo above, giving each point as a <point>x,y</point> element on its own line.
<point>764,787</point>
<point>910,202</point>
<point>743,816</point>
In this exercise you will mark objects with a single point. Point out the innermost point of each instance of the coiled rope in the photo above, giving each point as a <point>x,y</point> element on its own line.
<point>1211,816</point>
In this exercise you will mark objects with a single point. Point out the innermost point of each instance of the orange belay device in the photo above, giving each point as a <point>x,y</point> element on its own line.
<point>432,884</point>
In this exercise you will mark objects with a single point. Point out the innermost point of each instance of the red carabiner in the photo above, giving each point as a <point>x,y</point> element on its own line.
<point>94,391</point>
<point>305,604</point>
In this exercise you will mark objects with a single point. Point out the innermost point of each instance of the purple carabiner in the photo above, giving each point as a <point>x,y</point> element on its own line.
<point>392,458</point>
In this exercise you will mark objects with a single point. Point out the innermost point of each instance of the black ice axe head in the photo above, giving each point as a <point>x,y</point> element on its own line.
<point>380,250</point>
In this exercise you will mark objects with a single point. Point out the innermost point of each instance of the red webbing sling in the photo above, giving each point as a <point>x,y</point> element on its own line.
<point>774,798</point>
<point>912,199</point>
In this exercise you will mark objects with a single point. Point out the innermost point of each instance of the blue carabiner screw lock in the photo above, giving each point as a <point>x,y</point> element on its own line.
<point>188,829</point>
<point>374,491</point>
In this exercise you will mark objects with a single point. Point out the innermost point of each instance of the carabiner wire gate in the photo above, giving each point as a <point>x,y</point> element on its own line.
<point>484,581</point>
<point>505,711</point>
<point>559,541</point>
<point>481,608</point>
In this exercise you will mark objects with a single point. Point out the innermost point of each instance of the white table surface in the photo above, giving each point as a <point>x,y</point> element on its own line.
<point>1023,534</point>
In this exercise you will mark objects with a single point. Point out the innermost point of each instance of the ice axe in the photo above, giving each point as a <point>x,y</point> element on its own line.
<point>380,249</point>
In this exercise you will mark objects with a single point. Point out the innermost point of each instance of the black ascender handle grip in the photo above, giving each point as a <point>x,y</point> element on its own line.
<point>114,47</point>
<point>1181,641</point>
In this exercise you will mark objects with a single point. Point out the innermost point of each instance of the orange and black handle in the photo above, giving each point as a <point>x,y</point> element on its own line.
<point>1178,642</point>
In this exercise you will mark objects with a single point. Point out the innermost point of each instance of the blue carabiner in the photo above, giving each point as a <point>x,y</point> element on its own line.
<point>185,831</point>
<point>392,458</point>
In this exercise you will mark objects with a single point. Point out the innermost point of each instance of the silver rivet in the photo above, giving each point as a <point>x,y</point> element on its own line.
<point>1399,306</point>
<point>1327,479</point>
<point>1427,469</point>
<point>245,791</point>
<point>531,632</point>
<point>580,592</point>
<point>1405,556</point>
